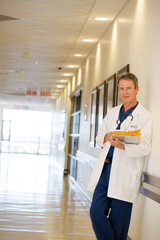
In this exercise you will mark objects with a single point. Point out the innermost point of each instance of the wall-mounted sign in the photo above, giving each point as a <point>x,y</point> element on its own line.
<point>42,93</point>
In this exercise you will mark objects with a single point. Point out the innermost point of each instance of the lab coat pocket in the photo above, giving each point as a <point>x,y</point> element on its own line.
<point>131,180</point>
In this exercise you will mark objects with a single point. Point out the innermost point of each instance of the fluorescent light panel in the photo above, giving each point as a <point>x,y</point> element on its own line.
<point>88,40</point>
<point>63,80</point>
<point>59,86</point>
<point>100,18</point>
<point>73,66</point>
<point>68,74</point>
<point>78,55</point>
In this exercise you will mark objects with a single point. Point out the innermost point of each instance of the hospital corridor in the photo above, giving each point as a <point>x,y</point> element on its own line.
<point>79,115</point>
<point>37,202</point>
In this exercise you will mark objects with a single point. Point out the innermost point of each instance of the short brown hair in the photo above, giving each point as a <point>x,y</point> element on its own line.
<point>129,76</point>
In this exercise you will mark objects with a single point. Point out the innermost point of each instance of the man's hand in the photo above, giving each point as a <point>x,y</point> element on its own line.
<point>114,142</point>
<point>108,137</point>
<point>117,143</point>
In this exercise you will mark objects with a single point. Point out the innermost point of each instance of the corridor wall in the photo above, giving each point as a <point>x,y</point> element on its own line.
<point>132,38</point>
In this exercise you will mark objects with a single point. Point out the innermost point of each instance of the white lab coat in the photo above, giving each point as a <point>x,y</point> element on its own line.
<point>127,165</point>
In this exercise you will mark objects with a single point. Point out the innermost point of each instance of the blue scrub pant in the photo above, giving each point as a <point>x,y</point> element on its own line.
<point>110,217</point>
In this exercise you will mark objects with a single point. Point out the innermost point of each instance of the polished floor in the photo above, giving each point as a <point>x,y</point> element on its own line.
<point>38,203</point>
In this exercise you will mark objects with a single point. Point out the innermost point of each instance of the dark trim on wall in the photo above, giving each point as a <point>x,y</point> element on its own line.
<point>155,181</point>
<point>150,194</point>
<point>152,184</point>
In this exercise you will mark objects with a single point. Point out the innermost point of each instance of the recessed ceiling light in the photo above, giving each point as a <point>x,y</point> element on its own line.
<point>68,74</point>
<point>100,18</point>
<point>78,55</point>
<point>60,86</point>
<point>73,66</point>
<point>63,80</point>
<point>36,62</point>
<point>87,40</point>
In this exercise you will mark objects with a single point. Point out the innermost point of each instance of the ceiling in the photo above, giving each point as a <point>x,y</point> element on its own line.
<point>39,40</point>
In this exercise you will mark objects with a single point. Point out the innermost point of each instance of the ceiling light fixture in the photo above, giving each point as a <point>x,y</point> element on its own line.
<point>73,66</point>
<point>87,40</point>
<point>100,18</point>
<point>67,74</point>
<point>63,80</point>
<point>78,55</point>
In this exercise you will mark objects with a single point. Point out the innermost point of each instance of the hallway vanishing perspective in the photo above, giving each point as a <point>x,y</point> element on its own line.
<point>37,202</point>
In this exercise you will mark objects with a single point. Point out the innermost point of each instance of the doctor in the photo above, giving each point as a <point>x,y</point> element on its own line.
<point>116,177</point>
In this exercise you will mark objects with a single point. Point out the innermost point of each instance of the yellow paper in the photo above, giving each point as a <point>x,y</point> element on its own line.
<point>131,137</point>
<point>129,133</point>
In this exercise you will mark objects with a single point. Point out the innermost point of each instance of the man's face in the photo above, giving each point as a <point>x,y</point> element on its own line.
<point>127,91</point>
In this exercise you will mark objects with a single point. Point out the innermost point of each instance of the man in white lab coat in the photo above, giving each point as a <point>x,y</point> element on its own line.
<point>116,177</point>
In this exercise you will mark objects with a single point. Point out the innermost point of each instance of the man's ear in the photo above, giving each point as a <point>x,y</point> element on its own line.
<point>137,89</point>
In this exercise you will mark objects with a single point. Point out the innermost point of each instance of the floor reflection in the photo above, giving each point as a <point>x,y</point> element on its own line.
<point>37,202</point>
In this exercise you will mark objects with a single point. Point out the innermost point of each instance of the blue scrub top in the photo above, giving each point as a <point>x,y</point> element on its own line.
<point>122,117</point>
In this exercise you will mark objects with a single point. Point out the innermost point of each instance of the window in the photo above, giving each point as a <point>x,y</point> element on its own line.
<point>74,134</point>
<point>25,131</point>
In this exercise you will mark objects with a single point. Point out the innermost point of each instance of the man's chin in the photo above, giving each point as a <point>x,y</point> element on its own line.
<point>125,100</point>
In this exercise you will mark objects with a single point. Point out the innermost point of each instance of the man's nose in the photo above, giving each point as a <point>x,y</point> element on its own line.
<point>125,91</point>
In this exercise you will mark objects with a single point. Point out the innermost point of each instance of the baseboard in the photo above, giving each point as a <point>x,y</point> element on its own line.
<point>85,195</point>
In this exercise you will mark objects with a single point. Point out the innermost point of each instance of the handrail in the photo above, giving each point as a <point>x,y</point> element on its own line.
<point>150,187</point>
<point>155,181</point>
